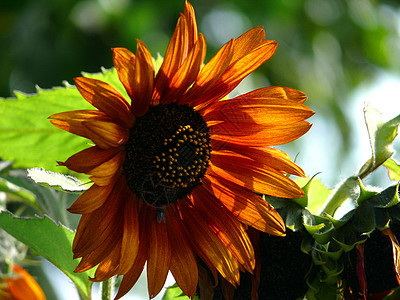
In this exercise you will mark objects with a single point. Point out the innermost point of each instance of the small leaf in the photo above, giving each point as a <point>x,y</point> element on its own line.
<point>381,136</point>
<point>50,240</point>
<point>175,293</point>
<point>393,169</point>
<point>56,180</point>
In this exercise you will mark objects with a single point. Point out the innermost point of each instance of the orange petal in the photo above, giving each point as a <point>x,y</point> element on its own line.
<point>124,63</point>
<point>23,286</point>
<point>235,73</point>
<point>191,24</point>
<point>246,205</point>
<point>207,244</point>
<point>133,274</point>
<point>159,254</point>
<point>183,262</point>
<point>106,172</point>
<point>142,82</point>
<point>88,159</point>
<point>277,92</point>
<point>254,135</point>
<point>72,121</point>
<point>109,265</point>
<point>262,111</point>
<point>248,41</point>
<point>268,156</point>
<point>176,53</point>
<point>209,74</point>
<point>90,200</point>
<point>227,228</point>
<point>187,73</point>
<point>130,238</point>
<point>253,175</point>
<point>101,226</point>
<point>106,99</point>
<point>106,134</point>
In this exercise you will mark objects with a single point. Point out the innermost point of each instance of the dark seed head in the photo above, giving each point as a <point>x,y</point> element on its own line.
<point>167,153</point>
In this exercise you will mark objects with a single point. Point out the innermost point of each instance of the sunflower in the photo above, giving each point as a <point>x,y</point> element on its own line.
<point>174,169</point>
<point>20,286</point>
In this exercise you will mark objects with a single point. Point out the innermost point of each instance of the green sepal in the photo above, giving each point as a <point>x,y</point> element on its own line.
<point>387,198</point>
<point>337,223</point>
<point>364,193</point>
<point>303,201</point>
<point>382,218</point>
<point>290,211</point>
<point>357,229</point>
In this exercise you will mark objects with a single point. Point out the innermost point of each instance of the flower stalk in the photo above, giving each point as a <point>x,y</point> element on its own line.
<point>107,289</point>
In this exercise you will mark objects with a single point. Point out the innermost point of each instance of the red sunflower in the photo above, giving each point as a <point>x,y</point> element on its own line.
<point>21,286</point>
<point>174,168</point>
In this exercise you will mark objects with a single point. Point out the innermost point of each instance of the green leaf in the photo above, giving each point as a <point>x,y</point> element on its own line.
<point>50,240</point>
<point>174,292</point>
<point>32,141</point>
<point>56,180</point>
<point>381,136</point>
<point>317,193</point>
<point>393,169</point>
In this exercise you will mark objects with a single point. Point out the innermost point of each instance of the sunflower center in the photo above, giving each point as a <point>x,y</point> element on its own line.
<point>167,153</point>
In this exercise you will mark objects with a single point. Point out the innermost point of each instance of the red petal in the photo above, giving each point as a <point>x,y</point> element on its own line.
<point>133,274</point>
<point>187,73</point>
<point>130,238</point>
<point>72,121</point>
<point>209,74</point>
<point>254,135</point>
<point>159,255</point>
<point>176,53</point>
<point>91,199</point>
<point>253,175</point>
<point>208,246</point>
<point>88,159</point>
<point>183,262</point>
<point>106,99</point>
<point>261,111</point>
<point>227,228</point>
<point>105,134</point>
<point>124,63</point>
<point>105,173</point>
<point>142,81</point>
<point>246,205</point>
<point>268,156</point>
<point>235,73</point>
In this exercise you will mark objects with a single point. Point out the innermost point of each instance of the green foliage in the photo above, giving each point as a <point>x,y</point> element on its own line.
<point>175,293</point>
<point>50,240</point>
<point>381,136</point>
<point>56,180</point>
<point>32,141</point>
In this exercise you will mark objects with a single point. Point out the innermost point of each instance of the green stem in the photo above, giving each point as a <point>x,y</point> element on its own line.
<point>107,289</point>
<point>347,190</point>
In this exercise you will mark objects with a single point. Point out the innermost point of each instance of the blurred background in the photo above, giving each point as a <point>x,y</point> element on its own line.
<point>342,54</point>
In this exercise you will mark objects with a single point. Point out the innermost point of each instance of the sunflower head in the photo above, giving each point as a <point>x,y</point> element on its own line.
<point>175,166</point>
